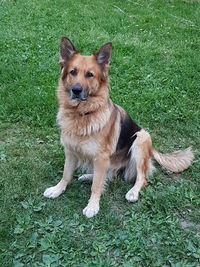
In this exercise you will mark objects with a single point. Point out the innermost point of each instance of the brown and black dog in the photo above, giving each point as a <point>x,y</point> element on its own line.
<point>98,134</point>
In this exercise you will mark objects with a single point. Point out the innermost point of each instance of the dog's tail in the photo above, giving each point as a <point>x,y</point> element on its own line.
<point>177,161</point>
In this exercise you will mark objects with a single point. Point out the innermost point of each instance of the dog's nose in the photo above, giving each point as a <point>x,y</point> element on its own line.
<point>77,89</point>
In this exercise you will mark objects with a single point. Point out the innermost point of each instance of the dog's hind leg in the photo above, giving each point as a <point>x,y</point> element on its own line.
<point>140,158</point>
<point>85,178</point>
<point>70,164</point>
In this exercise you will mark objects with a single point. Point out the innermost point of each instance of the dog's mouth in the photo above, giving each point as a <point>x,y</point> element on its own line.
<point>80,97</point>
<point>78,92</point>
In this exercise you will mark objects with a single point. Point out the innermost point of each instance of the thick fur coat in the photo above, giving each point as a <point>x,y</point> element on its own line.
<point>100,135</point>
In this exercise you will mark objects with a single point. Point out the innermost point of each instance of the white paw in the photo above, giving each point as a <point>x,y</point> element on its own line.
<point>53,192</point>
<point>91,210</point>
<point>85,178</point>
<point>132,196</point>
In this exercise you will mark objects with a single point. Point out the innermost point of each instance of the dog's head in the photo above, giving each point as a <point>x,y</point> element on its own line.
<point>82,76</point>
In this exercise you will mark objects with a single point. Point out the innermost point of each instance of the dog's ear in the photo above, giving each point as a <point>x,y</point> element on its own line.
<point>67,50</point>
<point>103,55</point>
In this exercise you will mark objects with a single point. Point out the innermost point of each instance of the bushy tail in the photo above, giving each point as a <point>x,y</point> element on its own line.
<point>177,161</point>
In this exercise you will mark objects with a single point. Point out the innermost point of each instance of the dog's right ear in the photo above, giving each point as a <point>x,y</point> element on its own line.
<point>103,55</point>
<point>67,50</point>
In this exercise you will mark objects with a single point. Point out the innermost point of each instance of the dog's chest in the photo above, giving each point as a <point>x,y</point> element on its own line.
<point>85,146</point>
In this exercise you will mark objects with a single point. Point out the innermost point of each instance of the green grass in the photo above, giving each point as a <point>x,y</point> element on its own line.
<point>155,76</point>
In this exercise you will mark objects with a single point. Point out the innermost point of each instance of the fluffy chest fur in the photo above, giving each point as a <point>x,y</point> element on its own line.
<point>84,147</point>
<point>90,134</point>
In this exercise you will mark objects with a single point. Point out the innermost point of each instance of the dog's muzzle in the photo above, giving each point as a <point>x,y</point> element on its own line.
<point>77,91</point>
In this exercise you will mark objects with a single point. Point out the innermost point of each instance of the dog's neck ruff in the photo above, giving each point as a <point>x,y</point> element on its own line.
<point>85,114</point>
<point>84,124</point>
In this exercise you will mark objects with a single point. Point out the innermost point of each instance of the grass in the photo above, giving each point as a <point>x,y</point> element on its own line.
<point>155,76</point>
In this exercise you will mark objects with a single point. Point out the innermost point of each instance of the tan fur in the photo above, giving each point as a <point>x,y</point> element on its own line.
<point>90,130</point>
<point>177,161</point>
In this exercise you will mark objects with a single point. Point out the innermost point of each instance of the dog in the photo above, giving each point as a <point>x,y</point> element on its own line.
<point>98,134</point>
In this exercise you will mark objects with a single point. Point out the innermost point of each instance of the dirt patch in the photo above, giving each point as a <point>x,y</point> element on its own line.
<point>186,224</point>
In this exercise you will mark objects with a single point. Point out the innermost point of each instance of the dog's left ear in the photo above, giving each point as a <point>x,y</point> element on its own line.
<point>103,55</point>
<point>67,50</point>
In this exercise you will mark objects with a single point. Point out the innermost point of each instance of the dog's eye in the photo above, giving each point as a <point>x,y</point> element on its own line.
<point>73,72</point>
<point>89,74</point>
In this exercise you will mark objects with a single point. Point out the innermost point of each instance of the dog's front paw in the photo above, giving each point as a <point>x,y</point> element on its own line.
<point>91,210</point>
<point>53,192</point>
<point>132,196</point>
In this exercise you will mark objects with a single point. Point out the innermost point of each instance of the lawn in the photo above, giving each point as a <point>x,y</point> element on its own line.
<point>155,76</point>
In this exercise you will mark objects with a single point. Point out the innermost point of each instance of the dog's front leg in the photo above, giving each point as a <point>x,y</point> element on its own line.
<point>70,165</point>
<point>100,167</point>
